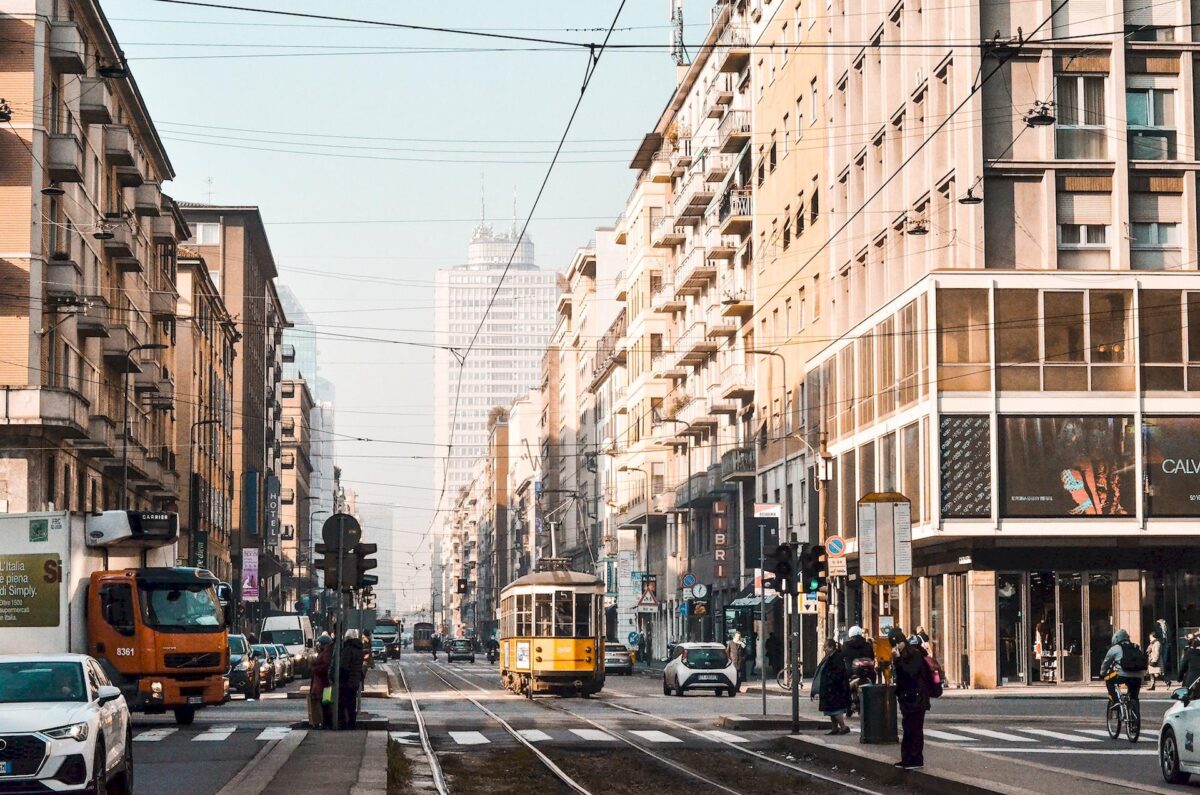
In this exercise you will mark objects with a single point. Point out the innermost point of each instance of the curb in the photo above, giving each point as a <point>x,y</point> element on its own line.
<point>769,723</point>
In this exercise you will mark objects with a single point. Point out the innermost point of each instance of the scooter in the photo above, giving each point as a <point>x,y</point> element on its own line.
<point>493,655</point>
<point>862,672</point>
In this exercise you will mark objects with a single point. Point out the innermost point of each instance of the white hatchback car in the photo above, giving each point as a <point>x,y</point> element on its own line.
<point>63,726</point>
<point>700,666</point>
<point>1178,749</point>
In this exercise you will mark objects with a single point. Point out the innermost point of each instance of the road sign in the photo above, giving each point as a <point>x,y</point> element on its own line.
<point>342,530</point>
<point>688,580</point>
<point>633,638</point>
<point>835,546</point>
<point>699,590</point>
<point>836,567</point>
<point>683,609</point>
<point>885,538</point>
<point>809,605</point>
<point>768,510</point>
<point>647,604</point>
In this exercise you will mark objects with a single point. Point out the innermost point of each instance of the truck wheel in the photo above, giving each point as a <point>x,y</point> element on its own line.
<point>184,716</point>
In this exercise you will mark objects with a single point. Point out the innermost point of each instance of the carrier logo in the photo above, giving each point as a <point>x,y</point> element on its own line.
<point>1181,466</point>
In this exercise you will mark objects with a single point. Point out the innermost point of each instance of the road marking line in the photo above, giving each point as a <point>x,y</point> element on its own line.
<point>1148,735</point>
<point>717,734</point>
<point>154,735</point>
<point>1092,751</point>
<point>1070,738</point>
<point>1016,738</point>
<point>594,735</point>
<point>269,696</point>
<point>216,734</point>
<point>940,735</point>
<point>655,736</point>
<point>533,735</point>
<point>469,738</point>
<point>274,733</point>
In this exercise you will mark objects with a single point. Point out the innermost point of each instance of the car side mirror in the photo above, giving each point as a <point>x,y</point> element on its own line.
<point>107,694</point>
<point>1181,694</point>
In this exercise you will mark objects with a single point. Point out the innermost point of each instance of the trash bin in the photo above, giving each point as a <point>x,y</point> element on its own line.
<point>878,714</point>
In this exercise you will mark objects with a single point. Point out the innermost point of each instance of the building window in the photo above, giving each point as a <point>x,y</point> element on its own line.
<point>205,234</point>
<point>1150,113</point>
<point>1079,105</point>
<point>1155,245</point>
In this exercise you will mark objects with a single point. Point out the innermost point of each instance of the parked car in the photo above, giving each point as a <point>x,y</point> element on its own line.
<point>245,668</point>
<point>272,665</point>
<point>289,662</point>
<point>699,666</point>
<point>617,659</point>
<point>379,649</point>
<point>63,726</point>
<point>1178,757</point>
<point>460,649</point>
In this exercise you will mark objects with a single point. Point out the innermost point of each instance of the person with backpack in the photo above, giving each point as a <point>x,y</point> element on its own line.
<point>1125,663</point>
<point>914,687</point>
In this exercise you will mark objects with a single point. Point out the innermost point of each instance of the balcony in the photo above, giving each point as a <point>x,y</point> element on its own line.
<point>660,167</point>
<point>63,410</point>
<point>93,320</point>
<point>664,299</point>
<point>681,153</point>
<point>163,303</point>
<point>117,345</point>
<point>662,365</point>
<point>715,166</point>
<point>694,272</point>
<point>147,199</point>
<point>93,101</point>
<point>738,464</point>
<point>720,93</point>
<point>734,131</point>
<point>736,384</point>
<point>719,325</point>
<point>608,352</point>
<point>64,280</point>
<point>120,245</point>
<point>694,346</point>
<point>119,148</point>
<point>718,404</point>
<point>694,195</point>
<point>64,158</point>
<point>162,229</point>
<point>145,379</point>
<point>666,234</point>
<point>66,48</point>
<point>737,303</point>
<point>101,440</point>
<point>129,176</point>
<point>733,48</point>
<point>736,213</point>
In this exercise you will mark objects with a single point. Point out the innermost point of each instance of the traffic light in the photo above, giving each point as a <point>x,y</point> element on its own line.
<point>460,585</point>
<point>361,563</point>
<point>812,571</point>
<point>328,565</point>
<point>785,569</point>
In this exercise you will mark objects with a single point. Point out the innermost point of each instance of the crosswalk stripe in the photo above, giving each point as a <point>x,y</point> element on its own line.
<point>595,735</point>
<point>534,735</point>
<point>941,735</point>
<point>995,735</point>
<point>1148,735</point>
<point>469,738</point>
<point>154,735</point>
<point>656,736</point>
<point>274,733</point>
<point>215,734</point>
<point>1070,738</point>
<point>717,734</point>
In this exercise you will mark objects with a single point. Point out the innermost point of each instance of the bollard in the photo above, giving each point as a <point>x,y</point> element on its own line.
<point>878,714</point>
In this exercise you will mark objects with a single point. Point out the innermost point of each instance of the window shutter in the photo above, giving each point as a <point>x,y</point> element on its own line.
<point>1167,207</point>
<point>1084,17</point>
<point>1149,12</point>
<point>1084,208</point>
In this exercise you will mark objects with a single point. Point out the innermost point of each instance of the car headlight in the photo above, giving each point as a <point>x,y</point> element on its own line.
<point>245,665</point>
<point>76,731</point>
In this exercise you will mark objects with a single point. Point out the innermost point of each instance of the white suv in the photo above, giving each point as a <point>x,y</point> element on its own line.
<point>699,666</point>
<point>1177,755</point>
<point>63,726</point>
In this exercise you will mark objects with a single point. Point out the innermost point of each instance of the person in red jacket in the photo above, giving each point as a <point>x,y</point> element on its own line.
<point>320,714</point>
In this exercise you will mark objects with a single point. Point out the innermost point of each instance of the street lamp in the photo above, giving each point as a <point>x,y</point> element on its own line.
<point>149,346</point>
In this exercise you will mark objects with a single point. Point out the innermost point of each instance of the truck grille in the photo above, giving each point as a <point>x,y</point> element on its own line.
<point>25,751</point>
<point>210,659</point>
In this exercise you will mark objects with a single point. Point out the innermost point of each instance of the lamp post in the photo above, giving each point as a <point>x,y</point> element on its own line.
<point>150,346</point>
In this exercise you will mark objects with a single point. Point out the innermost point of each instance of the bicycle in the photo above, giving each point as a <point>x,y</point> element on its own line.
<point>784,678</point>
<point>1122,712</point>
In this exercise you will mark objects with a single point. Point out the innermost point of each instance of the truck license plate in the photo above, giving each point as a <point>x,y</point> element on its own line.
<point>6,768</point>
<point>195,699</point>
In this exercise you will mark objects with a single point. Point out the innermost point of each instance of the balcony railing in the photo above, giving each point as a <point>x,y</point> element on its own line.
<point>694,272</point>
<point>733,48</point>
<point>738,463</point>
<point>734,130</point>
<point>736,212</point>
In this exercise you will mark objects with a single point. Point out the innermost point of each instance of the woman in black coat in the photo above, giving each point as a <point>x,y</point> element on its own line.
<point>832,685</point>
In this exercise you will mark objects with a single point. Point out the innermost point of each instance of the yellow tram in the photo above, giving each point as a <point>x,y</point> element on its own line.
<point>552,633</point>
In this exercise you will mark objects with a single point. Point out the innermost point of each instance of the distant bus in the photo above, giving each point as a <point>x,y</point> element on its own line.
<point>422,636</point>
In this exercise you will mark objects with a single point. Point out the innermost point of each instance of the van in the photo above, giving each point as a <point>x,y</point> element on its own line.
<point>296,633</point>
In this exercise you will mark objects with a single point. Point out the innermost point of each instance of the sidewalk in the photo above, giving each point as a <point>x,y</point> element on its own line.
<point>332,763</point>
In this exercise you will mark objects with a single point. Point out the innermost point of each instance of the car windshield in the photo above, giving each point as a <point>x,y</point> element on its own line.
<point>267,650</point>
<point>192,608</point>
<point>283,652</point>
<point>461,644</point>
<point>237,644</point>
<point>289,637</point>
<point>377,643</point>
<point>704,658</point>
<point>615,648</point>
<point>25,682</point>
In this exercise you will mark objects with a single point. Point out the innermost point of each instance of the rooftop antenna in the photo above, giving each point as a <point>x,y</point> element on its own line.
<point>678,52</point>
<point>482,202</point>
<point>208,182</point>
<point>514,226</point>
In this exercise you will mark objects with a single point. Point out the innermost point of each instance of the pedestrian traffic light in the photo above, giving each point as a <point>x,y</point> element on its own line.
<point>812,570</point>
<point>785,569</point>
<point>460,586</point>
<point>361,563</point>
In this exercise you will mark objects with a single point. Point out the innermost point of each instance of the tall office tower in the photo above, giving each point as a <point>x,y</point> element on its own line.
<point>504,362</point>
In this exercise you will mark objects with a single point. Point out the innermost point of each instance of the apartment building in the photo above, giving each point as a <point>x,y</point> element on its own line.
<point>234,244</point>
<point>88,287</point>
<point>295,492</point>
<point>205,349</point>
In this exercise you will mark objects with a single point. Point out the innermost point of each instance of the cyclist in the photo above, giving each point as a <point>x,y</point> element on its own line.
<point>1124,664</point>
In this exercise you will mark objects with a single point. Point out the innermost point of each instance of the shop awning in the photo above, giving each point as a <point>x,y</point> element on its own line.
<point>754,601</point>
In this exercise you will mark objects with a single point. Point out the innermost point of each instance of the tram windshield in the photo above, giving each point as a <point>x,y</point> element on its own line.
<point>563,614</point>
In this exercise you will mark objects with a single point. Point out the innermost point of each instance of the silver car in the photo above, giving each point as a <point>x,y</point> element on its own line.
<point>289,663</point>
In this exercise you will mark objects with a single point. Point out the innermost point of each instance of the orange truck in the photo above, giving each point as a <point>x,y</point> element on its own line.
<point>105,584</point>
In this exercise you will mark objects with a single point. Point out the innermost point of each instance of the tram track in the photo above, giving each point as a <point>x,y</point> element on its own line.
<point>840,783</point>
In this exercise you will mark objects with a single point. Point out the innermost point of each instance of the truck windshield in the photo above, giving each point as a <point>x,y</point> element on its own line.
<point>192,608</point>
<point>288,637</point>
<point>385,631</point>
<point>27,682</point>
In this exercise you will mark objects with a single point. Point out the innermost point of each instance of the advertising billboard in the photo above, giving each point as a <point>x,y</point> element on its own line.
<point>966,467</point>
<point>1067,466</point>
<point>250,574</point>
<point>1171,456</point>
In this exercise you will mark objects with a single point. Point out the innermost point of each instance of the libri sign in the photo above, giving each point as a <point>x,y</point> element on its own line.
<point>720,526</point>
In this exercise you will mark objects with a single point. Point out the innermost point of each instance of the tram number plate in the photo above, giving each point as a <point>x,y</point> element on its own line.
<point>709,677</point>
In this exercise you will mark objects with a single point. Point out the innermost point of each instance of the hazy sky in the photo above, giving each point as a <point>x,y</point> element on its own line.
<point>365,152</point>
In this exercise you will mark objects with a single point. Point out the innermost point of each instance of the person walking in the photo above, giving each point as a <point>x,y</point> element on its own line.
<point>774,653</point>
<point>1154,660</point>
<point>319,716</point>
<point>751,653</point>
<point>350,678</point>
<point>1189,663</point>
<point>831,683</point>
<point>435,642</point>
<point>914,682</point>
<point>736,649</point>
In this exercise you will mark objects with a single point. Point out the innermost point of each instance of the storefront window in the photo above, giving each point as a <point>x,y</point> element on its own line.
<point>1008,627</point>
<point>1101,620</point>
